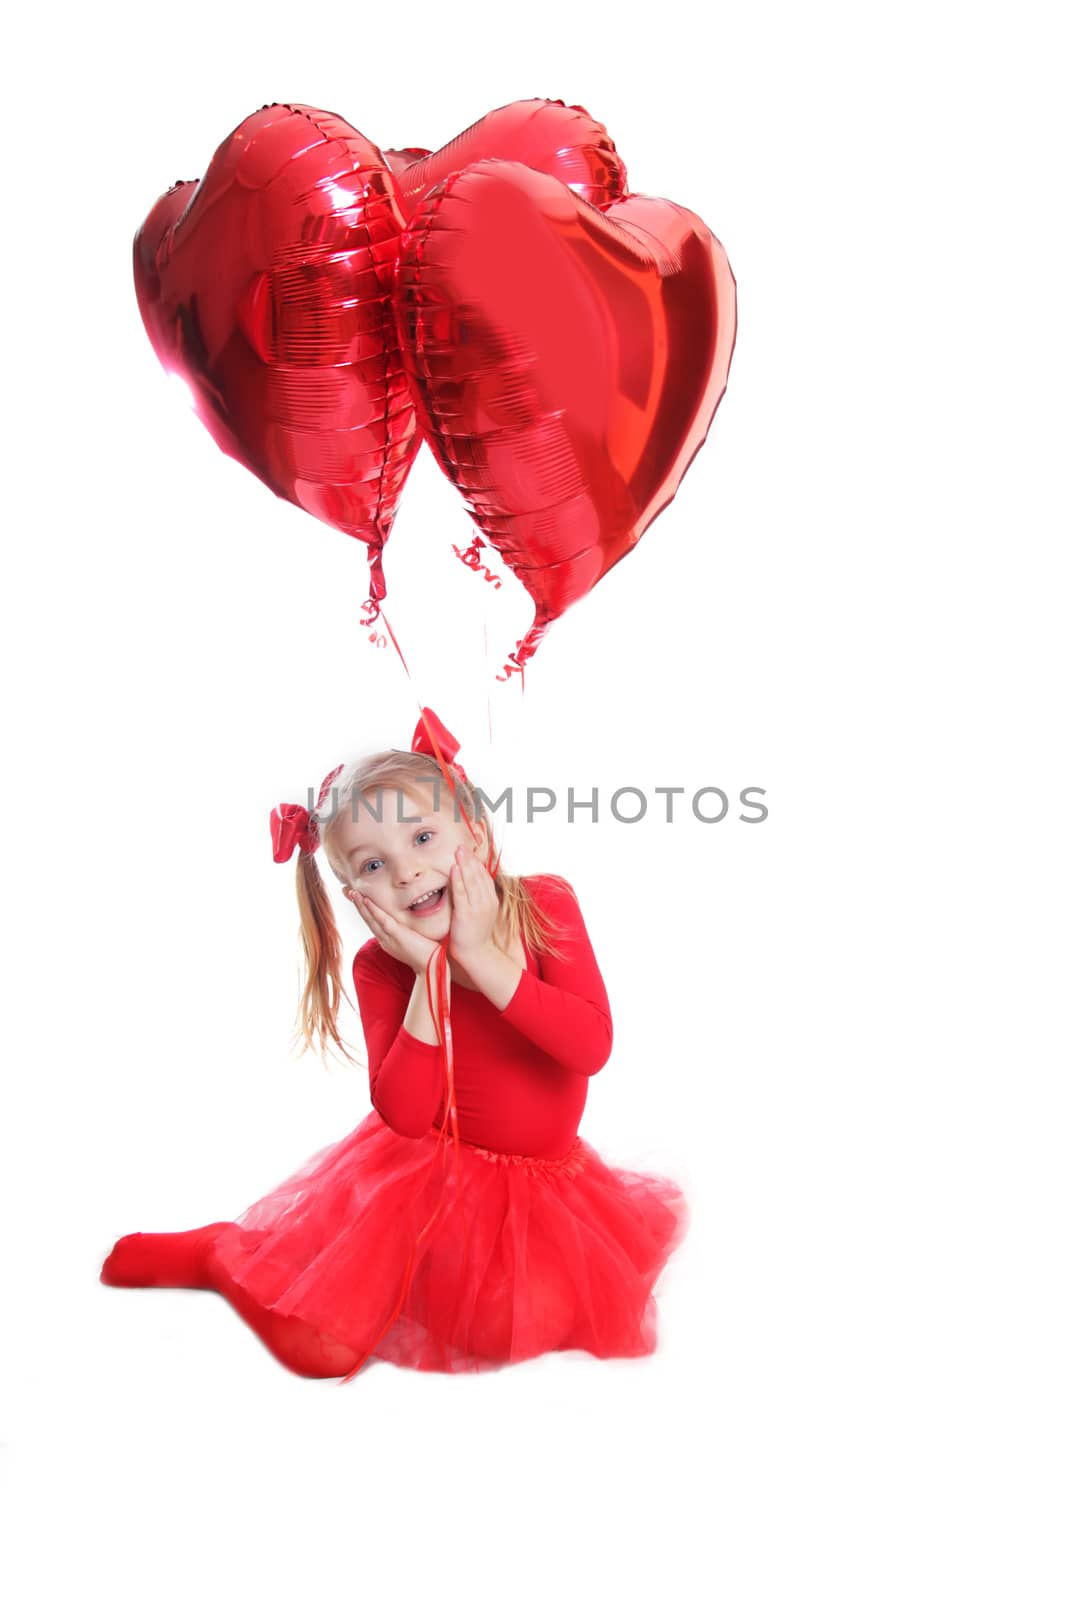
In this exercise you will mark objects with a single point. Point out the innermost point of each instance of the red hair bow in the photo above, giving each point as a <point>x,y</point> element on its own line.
<point>429,729</point>
<point>292,826</point>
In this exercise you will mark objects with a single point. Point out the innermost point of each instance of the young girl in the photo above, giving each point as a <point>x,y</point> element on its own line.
<point>464,1223</point>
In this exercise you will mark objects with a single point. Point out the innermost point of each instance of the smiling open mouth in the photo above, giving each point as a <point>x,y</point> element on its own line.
<point>422,907</point>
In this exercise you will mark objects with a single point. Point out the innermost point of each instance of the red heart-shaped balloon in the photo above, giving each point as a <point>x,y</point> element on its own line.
<point>566,362</point>
<point>400,160</point>
<point>266,287</point>
<point>546,135</point>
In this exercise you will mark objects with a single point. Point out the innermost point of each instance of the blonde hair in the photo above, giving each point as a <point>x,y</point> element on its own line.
<point>321,940</point>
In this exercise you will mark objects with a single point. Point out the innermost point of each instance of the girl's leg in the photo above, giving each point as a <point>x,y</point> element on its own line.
<point>187,1261</point>
<point>297,1345</point>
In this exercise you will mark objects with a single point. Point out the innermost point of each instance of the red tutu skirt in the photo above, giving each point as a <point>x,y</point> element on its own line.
<point>450,1257</point>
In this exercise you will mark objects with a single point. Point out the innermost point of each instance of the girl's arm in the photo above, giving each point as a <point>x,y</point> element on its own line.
<point>565,1012</point>
<point>407,1081</point>
<point>418,1019</point>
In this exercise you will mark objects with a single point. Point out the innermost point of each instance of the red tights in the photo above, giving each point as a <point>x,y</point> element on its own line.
<point>187,1261</point>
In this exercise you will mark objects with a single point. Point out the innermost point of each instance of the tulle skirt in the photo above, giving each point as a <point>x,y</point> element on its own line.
<point>455,1258</point>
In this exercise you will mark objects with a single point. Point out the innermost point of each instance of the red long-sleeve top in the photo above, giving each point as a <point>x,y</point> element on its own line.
<point>521,1073</point>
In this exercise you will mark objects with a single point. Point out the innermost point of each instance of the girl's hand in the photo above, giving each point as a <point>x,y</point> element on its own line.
<point>475,908</point>
<point>406,944</point>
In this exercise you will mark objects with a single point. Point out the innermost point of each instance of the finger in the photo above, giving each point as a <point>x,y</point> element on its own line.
<point>477,870</point>
<point>484,879</point>
<point>479,882</point>
<point>474,874</point>
<point>374,913</point>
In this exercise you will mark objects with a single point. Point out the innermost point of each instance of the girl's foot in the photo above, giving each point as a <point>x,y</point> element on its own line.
<point>162,1260</point>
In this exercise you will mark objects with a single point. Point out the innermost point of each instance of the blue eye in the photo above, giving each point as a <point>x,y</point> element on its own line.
<point>426,832</point>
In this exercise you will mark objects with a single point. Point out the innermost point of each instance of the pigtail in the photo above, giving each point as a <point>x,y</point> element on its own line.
<point>524,916</point>
<point>323,951</point>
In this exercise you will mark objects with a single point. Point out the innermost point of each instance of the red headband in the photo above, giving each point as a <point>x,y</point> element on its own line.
<point>292,826</point>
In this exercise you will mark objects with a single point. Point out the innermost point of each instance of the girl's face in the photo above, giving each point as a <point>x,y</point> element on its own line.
<point>407,855</point>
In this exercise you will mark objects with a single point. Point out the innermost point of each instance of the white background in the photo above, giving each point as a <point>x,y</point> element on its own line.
<point>840,1029</point>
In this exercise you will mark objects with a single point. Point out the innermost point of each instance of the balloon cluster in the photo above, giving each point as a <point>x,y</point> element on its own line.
<point>560,343</point>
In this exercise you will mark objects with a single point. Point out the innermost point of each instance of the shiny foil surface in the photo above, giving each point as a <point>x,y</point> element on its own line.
<point>566,362</point>
<point>266,287</point>
<point>561,343</point>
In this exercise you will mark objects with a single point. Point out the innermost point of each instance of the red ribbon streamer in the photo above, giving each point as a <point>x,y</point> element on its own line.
<point>442,1020</point>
